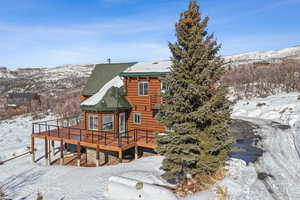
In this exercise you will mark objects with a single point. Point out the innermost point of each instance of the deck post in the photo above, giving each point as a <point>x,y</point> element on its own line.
<point>116,125</point>
<point>78,154</point>
<point>32,149</point>
<point>97,156</point>
<point>61,160</point>
<point>46,151</point>
<point>53,148</point>
<point>106,157</point>
<point>120,156</point>
<point>136,152</point>
<point>49,151</point>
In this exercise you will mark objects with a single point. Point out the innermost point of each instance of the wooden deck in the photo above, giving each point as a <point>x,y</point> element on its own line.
<point>103,140</point>
<point>73,132</point>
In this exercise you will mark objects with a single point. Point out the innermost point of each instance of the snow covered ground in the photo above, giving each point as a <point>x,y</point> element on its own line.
<point>274,176</point>
<point>283,108</point>
<point>21,179</point>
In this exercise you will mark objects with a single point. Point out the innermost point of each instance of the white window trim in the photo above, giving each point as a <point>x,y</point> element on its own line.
<point>113,122</point>
<point>139,88</point>
<point>134,114</point>
<point>93,116</point>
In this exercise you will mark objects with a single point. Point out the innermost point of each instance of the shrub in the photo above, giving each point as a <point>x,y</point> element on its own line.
<point>249,80</point>
<point>260,104</point>
<point>222,192</point>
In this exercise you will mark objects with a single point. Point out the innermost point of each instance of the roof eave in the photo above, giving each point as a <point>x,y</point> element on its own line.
<point>94,108</point>
<point>144,74</point>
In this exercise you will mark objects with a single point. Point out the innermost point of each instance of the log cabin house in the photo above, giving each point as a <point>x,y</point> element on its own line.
<point>119,104</point>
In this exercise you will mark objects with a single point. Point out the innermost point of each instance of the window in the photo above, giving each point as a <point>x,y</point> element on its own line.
<point>108,122</point>
<point>164,87</point>
<point>143,88</point>
<point>137,118</point>
<point>93,122</point>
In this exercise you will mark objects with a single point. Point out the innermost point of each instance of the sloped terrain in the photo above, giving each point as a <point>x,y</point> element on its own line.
<point>275,56</point>
<point>274,176</point>
<point>44,80</point>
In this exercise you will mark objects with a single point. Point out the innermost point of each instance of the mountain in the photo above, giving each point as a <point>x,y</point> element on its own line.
<point>276,56</point>
<point>44,80</point>
<point>74,76</point>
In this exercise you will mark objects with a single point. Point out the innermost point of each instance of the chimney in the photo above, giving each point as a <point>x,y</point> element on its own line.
<point>109,61</point>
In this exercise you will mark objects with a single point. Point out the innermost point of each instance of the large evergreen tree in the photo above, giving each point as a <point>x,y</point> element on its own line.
<point>195,105</point>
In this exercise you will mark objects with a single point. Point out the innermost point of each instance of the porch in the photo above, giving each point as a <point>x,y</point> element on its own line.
<point>72,131</point>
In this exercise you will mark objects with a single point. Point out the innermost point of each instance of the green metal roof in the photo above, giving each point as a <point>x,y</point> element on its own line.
<point>113,100</point>
<point>102,74</point>
<point>145,74</point>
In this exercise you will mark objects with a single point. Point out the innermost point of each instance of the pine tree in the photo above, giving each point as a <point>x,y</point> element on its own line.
<point>195,105</point>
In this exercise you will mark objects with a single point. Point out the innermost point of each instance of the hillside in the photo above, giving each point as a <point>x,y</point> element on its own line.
<point>58,79</point>
<point>44,80</point>
<point>275,56</point>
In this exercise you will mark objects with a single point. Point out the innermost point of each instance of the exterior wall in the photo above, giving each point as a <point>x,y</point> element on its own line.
<point>143,104</point>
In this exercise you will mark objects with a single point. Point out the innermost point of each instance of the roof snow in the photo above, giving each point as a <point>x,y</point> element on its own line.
<point>160,66</point>
<point>96,98</point>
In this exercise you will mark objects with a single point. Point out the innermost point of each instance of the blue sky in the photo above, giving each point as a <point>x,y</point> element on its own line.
<point>55,32</point>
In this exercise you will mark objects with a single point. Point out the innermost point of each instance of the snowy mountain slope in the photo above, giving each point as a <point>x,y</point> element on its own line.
<point>44,80</point>
<point>265,56</point>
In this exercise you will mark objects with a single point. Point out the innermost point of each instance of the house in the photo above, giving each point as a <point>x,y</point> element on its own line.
<point>130,100</point>
<point>15,100</point>
<point>119,104</point>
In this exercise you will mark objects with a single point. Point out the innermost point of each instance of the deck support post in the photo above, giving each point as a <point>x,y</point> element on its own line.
<point>32,149</point>
<point>49,151</point>
<point>120,156</point>
<point>53,148</point>
<point>78,154</point>
<point>97,156</point>
<point>136,152</point>
<point>61,160</point>
<point>65,148</point>
<point>106,157</point>
<point>46,151</point>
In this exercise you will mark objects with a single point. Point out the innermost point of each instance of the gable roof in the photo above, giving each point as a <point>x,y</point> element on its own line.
<point>102,74</point>
<point>160,68</point>
<point>113,99</point>
<point>110,95</point>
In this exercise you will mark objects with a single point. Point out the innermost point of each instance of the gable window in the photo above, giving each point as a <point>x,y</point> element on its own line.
<point>143,88</point>
<point>108,122</point>
<point>137,118</point>
<point>93,122</point>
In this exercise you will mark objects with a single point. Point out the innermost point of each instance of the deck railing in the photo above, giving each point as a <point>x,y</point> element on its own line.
<point>72,129</point>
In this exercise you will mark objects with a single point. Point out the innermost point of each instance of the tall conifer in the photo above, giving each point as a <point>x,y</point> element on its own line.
<point>195,106</point>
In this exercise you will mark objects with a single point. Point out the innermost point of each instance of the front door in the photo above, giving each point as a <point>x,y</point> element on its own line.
<point>122,124</point>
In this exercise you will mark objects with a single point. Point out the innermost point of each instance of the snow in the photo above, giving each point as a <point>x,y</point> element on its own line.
<point>283,108</point>
<point>280,161</point>
<point>23,179</point>
<point>160,66</point>
<point>96,98</point>
<point>270,56</point>
<point>135,190</point>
